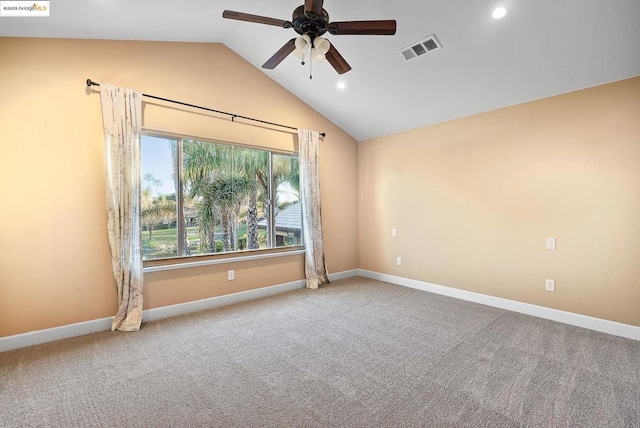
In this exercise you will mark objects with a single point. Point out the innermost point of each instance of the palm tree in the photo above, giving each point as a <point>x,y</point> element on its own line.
<point>285,170</point>
<point>223,180</point>
<point>186,250</point>
<point>253,164</point>
<point>286,179</point>
<point>223,196</point>
<point>200,162</point>
<point>214,177</point>
<point>157,183</point>
<point>149,178</point>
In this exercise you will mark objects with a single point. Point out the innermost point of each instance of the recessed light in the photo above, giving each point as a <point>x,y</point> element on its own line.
<point>499,12</point>
<point>341,85</point>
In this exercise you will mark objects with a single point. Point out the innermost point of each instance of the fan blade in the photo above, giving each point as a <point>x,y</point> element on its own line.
<point>230,14</point>
<point>336,60</point>
<point>373,28</point>
<point>282,53</point>
<point>313,6</point>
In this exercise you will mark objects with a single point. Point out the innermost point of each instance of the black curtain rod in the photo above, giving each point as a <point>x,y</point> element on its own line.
<point>233,116</point>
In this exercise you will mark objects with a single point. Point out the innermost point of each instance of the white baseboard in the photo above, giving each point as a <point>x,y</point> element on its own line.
<point>343,275</point>
<point>52,334</point>
<point>591,323</point>
<point>229,299</point>
<point>215,302</point>
<point>104,324</point>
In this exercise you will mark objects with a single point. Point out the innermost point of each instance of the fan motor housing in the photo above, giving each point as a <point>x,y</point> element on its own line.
<point>310,24</point>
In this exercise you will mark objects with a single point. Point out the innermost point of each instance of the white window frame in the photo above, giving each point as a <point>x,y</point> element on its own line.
<point>182,261</point>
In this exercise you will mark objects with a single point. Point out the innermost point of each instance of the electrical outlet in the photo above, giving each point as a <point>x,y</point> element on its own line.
<point>399,261</point>
<point>551,244</point>
<point>231,274</point>
<point>394,232</point>
<point>550,284</point>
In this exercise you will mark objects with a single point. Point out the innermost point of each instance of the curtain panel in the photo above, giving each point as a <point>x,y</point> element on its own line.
<point>315,265</point>
<point>122,115</point>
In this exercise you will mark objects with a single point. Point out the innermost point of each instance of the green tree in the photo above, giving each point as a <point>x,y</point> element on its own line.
<point>224,180</point>
<point>254,164</point>
<point>187,204</point>
<point>156,211</point>
<point>214,178</point>
<point>149,179</point>
<point>157,183</point>
<point>286,179</point>
<point>223,196</point>
<point>200,162</point>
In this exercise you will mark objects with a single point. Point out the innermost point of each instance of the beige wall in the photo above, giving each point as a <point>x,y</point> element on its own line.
<point>54,257</point>
<point>474,199</point>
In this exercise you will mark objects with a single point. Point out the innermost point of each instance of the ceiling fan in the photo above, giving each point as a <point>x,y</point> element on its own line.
<point>311,21</point>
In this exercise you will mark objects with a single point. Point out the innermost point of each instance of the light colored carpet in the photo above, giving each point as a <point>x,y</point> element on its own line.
<point>358,353</point>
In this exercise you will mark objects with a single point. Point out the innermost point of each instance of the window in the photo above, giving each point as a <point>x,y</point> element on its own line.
<point>203,198</point>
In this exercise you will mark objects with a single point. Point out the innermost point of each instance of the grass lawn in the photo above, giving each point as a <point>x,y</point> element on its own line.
<point>164,242</point>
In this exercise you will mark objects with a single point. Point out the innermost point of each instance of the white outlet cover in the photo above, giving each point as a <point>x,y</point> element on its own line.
<point>231,275</point>
<point>394,232</point>
<point>551,244</point>
<point>550,284</point>
<point>399,261</point>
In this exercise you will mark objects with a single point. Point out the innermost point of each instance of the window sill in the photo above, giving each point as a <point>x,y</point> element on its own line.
<point>221,259</point>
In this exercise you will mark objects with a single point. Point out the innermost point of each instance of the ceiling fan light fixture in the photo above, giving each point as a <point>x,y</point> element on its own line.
<point>302,46</point>
<point>320,48</point>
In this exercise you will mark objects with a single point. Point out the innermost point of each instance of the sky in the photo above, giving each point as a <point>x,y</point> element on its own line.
<point>156,160</point>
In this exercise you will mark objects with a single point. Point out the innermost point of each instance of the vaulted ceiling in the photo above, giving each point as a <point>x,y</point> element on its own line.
<point>539,49</point>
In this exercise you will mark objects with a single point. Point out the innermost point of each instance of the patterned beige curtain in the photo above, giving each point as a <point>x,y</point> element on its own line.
<point>121,115</point>
<point>315,266</point>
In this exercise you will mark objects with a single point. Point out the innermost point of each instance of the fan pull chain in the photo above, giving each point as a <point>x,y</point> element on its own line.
<point>310,69</point>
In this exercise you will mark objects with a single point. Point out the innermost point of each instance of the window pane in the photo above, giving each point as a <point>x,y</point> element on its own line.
<point>225,194</point>
<point>221,198</point>
<point>159,208</point>
<point>288,213</point>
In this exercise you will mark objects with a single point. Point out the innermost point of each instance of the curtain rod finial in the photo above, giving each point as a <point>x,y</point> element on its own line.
<point>91,83</point>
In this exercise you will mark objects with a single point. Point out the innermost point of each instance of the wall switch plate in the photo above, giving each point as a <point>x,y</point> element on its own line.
<point>550,284</point>
<point>394,232</point>
<point>551,244</point>
<point>231,274</point>
<point>399,261</point>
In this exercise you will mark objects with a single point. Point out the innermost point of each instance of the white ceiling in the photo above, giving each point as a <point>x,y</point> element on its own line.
<point>539,49</point>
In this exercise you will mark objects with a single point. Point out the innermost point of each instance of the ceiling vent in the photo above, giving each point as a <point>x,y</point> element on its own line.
<point>420,48</point>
